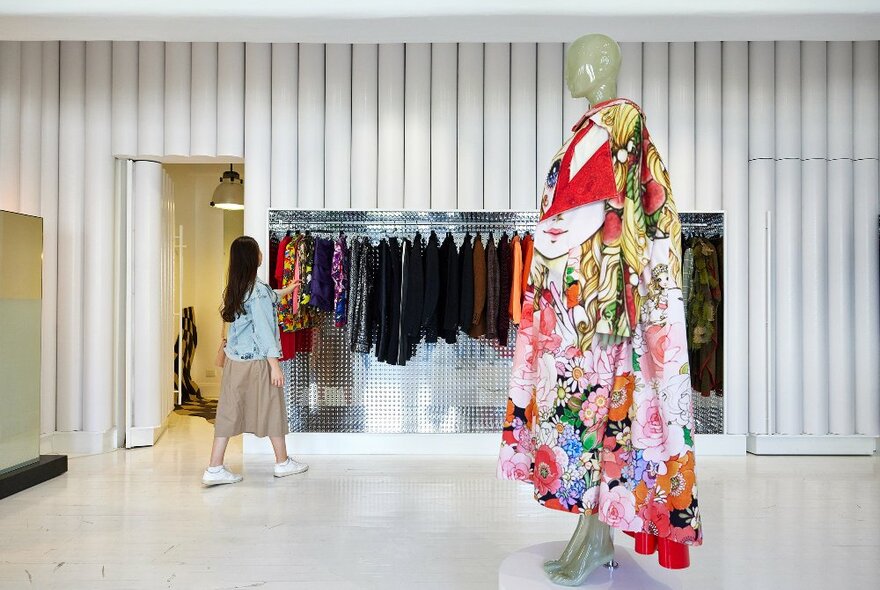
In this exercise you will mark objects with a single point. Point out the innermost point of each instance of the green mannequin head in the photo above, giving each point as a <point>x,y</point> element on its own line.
<point>591,68</point>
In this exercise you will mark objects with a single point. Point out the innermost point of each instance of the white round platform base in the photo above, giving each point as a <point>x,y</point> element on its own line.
<point>523,570</point>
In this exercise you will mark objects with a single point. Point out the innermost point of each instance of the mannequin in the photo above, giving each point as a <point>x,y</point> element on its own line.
<point>599,419</point>
<point>591,69</point>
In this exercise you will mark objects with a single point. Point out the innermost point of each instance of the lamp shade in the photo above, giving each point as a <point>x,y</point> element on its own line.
<point>229,194</point>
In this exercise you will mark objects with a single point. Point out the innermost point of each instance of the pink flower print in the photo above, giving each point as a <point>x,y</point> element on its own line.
<point>651,433</point>
<point>598,367</point>
<point>617,508</point>
<point>546,389</point>
<point>595,409</point>
<point>525,440</point>
<point>522,388</point>
<point>662,343</point>
<point>513,465</point>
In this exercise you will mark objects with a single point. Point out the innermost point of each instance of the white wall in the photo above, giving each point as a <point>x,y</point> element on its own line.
<point>740,125</point>
<point>204,259</point>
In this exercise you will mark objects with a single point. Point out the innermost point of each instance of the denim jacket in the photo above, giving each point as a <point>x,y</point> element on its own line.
<point>254,334</point>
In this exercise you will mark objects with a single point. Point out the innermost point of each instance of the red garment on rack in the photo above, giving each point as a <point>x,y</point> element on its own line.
<point>294,343</point>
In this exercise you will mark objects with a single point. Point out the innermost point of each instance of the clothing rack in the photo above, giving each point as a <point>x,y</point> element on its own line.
<point>445,388</point>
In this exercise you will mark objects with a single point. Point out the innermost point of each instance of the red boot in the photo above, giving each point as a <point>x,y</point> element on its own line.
<point>674,556</point>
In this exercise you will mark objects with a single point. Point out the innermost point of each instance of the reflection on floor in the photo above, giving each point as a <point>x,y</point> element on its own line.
<point>140,519</point>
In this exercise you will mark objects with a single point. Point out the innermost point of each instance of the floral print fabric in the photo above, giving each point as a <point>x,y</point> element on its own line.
<point>291,315</point>
<point>340,282</point>
<point>599,417</point>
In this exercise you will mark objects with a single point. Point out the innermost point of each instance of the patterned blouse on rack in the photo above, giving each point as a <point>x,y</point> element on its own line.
<point>291,315</point>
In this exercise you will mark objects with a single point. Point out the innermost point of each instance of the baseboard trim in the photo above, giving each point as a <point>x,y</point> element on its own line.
<point>314,443</point>
<point>804,444</point>
<point>78,442</point>
<point>720,445</point>
<point>146,436</point>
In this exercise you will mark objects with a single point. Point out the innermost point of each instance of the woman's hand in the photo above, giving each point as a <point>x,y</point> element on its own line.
<point>275,374</point>
<point>287,290</point>
<point>277,377</point>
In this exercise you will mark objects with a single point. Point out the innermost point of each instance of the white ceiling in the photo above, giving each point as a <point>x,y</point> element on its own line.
<point>371,21</point>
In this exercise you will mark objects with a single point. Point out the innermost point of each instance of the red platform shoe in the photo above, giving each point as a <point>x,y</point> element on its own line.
<point>672,555</point>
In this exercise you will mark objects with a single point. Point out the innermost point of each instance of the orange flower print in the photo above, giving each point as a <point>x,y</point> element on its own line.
<point>678,482</point>
<point>620,399</point>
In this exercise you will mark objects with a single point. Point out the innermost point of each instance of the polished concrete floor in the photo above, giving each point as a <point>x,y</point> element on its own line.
<point>141,519</point>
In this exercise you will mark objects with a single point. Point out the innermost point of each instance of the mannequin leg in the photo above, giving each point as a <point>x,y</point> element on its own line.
<point>577,539</point>
<point>595,550</point>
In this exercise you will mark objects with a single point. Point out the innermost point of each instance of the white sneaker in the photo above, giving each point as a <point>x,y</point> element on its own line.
<point>290,467</point>
<point>220,477</point>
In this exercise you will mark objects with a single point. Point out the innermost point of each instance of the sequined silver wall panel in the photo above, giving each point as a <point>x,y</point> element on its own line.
<point>445,388</point>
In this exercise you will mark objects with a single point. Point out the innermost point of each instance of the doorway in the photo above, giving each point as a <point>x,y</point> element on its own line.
<point>202,236</point>
<point>172,250</point>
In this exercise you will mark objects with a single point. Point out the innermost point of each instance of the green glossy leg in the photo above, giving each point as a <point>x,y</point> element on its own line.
<point>589,550</point>
<point>578,538</point>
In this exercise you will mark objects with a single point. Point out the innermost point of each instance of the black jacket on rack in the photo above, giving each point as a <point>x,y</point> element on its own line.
<point>384,282</point>
<point>396,259</point>
<point>505,264</point>
<point>403,340</point>
<point>431,268</point>
<point>450,291</point>
<point>411,309</point>
<point>466,277</point>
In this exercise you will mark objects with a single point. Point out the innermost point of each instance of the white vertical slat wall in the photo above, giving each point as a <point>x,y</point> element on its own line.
<point>814,235</point>
<point>866,177</point>
<point>71,229</point>
<point>178,102</point>
<point>681,158</point>
<point>364,126</point>
<point>391,125</point>
<point>788,385</point>
<point>523,125</point>
<point>285,73</point>
<point>203,100</point>
<point>337,127</point>
<point>496,127</point>
<point>470,126</point>
<point>841,248</point>
<point>310,126</point>
<point>549,110</point>
<point>745,127</point>
<point>735,201</point>
<point>98,200</point>
<point>417,127</point>
<point>761,188</point>
<point>258,143</point>
<point>49,211</point>
<point>230,100</point>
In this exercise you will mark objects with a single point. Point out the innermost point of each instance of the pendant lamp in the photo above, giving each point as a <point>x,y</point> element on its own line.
<point>229,194</point>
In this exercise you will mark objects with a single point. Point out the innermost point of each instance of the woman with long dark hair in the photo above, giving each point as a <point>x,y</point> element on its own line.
<point>251,395</point>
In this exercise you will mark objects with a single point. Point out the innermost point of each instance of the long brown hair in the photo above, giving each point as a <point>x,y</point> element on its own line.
<point>244,258</point>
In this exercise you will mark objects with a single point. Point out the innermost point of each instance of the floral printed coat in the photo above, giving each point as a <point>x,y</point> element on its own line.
<point>599,417</point>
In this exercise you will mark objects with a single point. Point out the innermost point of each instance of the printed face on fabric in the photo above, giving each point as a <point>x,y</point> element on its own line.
<point>558,235</point>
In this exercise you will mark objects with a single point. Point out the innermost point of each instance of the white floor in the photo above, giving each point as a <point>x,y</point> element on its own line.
<point>140,519</point>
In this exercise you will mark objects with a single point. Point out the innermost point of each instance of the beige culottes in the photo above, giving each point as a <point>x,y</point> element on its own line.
<point>249,402</point>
